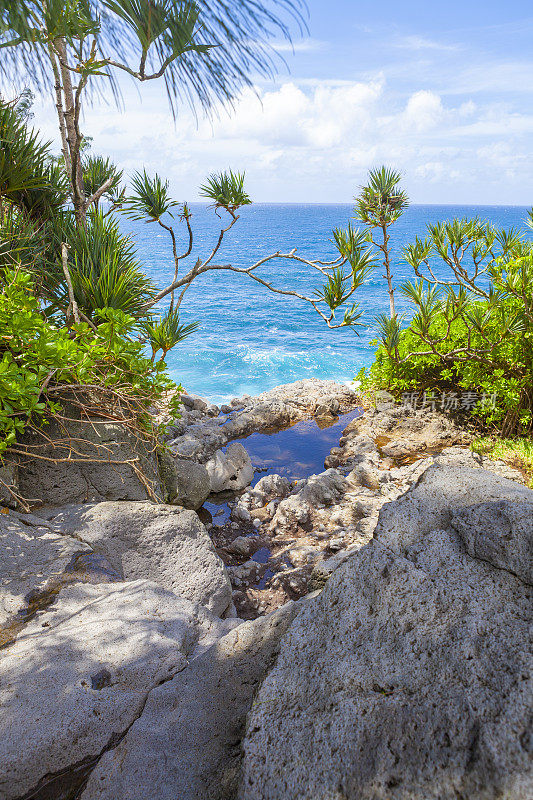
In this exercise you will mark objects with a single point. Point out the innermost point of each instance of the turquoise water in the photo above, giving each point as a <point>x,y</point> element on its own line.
<point>250,339</point>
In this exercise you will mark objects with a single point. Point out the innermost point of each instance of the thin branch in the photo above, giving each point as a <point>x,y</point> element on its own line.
<point>73,306</point>
<point>99,192</point>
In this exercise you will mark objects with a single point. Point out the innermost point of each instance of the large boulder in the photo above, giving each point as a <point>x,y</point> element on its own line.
<point>439,493</point>
<point>186,743</point>
<point>186,483</point>
<point>317,491</point>
<point>35,563</point>
<point>500,532</point>
<point>162,543</point>
<point>108,463</point>
<point>409,677</point>
<point>230,470</point>
<point>77,678</point>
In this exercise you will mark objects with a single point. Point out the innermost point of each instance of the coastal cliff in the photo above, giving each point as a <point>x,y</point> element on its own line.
<point>360,632</point>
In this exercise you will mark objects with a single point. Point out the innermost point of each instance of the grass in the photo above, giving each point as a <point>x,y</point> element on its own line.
<point>517,453</point>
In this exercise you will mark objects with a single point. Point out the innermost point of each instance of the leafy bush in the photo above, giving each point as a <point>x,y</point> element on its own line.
<point>516,452</point>
<point>40,361</point>
<point>473,331</point>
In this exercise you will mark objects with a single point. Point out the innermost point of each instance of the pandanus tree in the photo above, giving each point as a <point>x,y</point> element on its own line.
<point>379,205</point>
<point>205,52</point>
<point>149,200</point>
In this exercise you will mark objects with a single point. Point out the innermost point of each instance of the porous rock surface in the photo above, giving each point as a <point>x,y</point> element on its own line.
<point>111,455</point>
<point>186,744</point>
<point>79,675</point>
<point>35,563</point>
<point>409,677</point>
<point>304,530</point>
<point>230,470</point>
<point>186,483</point>
<point>162,543</point>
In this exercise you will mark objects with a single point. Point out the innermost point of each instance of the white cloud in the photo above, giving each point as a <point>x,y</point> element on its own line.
<point>321,118</point>
<point>424,111</point>
<point>436,171</point>
<point>307,45</point>
<point>315,141</point>
<point>420,43</point>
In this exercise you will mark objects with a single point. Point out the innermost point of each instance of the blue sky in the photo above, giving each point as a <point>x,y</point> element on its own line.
<point>443,91</point>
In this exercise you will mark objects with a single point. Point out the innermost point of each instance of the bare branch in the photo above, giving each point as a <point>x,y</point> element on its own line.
<point>73,306</point>
<point>99,192</point>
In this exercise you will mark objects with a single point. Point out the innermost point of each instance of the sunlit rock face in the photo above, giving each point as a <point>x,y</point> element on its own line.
<point>410,675</point>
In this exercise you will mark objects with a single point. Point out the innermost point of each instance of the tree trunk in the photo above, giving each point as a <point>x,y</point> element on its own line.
<point>60,112</point>
<point>388,270</point>
<point>73,135</point>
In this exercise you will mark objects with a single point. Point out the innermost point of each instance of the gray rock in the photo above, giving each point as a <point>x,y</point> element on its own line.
<point>314,492</point>
<point>327,407</point>
<point>366,474</point>
<point>230,470</point>
<point>186,482</point>
<point>438,494</point>
<point>186,743</point>
<point>500,532</point>
<point>323,570</point>
<point>80,674</point>
<point>164,544</point>
<point>269,411</point>
<point>408,678</point>
<point>35,562</point>
<point>76,482</point>
<point>271,487</point>
<point>9,483</point>
<point>244,546</point>
<point>194,402</point>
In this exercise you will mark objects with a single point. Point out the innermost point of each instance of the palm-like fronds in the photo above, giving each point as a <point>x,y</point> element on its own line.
<point>381,201</point>
<point>389,332</point>
<point>226,190</point>
<point>104,270</point>
<point>208,50</point>
<point>150,198</point>
<point>167,332</point>
<point>28,177</point>
<point>96,171</point>
<point>336,290</point>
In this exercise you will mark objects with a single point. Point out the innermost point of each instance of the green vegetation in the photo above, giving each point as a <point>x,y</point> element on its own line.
<point>205,53</point>
<point>77,306</point>
<point>380,204</point>
<point>517,453</point>
<point>43,363</point>
<point>472,331</point>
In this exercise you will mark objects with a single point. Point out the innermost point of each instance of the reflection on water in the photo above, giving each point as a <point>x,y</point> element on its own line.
<point>299,451</point>
<point>295,453</point>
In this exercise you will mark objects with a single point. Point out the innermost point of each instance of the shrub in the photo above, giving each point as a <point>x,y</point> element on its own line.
<point>473,331</point>
<point>42,363</point>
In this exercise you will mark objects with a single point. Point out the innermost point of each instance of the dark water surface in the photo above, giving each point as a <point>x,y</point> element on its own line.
<point>296,452</point>
<point>299,451</point>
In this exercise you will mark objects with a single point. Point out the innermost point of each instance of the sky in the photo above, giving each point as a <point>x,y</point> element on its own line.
<point>441,91</point>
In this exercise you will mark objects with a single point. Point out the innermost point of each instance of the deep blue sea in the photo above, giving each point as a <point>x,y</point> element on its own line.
<point>251,339</point>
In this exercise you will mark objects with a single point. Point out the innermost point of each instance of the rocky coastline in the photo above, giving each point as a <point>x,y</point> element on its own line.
<point>361,632</point>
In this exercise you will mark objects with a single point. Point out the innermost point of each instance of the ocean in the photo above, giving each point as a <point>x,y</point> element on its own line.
<point>250,339</point>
